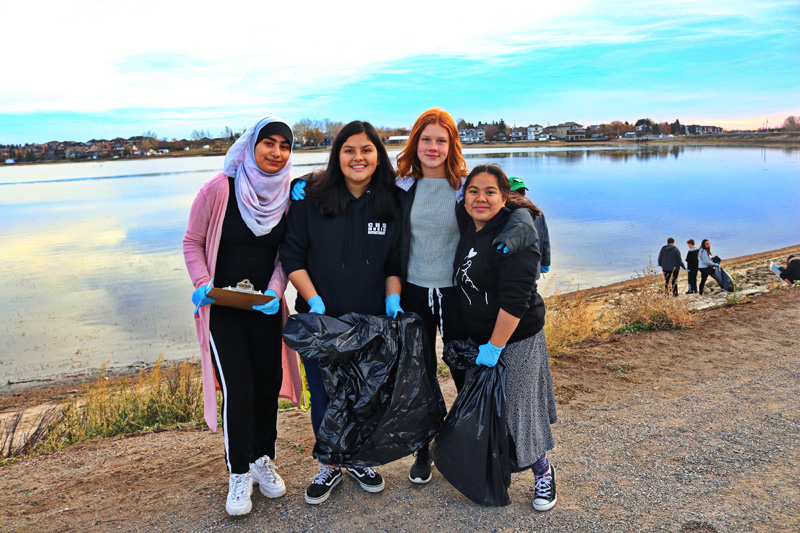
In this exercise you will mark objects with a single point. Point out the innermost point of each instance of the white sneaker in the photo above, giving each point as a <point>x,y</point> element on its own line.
<point>240,487</point>
<point>269,482</point>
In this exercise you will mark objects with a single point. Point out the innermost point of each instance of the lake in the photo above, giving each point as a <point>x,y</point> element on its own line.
<point>93,271</point>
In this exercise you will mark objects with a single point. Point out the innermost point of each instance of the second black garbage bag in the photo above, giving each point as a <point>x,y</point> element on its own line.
<point>473,450</point>
<point>385,403</point>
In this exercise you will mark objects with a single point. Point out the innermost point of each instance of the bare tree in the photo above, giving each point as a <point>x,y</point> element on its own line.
<point>332,128</point>
<point>791,123</point>
<point>309,131</point>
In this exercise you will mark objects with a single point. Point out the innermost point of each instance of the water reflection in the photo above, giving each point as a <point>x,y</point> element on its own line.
<point>93,271</point>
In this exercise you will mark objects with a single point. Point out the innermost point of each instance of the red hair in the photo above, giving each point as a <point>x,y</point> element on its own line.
<point>455,167</point>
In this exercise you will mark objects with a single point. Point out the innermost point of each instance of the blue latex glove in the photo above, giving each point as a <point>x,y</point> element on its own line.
<point>502,247</point>
<point>199,297</point>
<point>544,270</point>
<point>716,264</point>
<point>299,191</point>
<point>393,305</point>
<point>316,305</point>
<point>272,306</point>
<point>488,354</point>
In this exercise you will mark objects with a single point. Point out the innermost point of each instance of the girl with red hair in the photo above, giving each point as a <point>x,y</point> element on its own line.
<point>431,170</point>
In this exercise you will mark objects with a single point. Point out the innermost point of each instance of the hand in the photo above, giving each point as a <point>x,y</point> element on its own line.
<point>316,305</point>
<point>299,191</point>
<point>544,270</point>
<point>393,305</point>
<point>716,264</point>
<point>272,306</point>
<point>199,297</point>
<point>488,354</point>
<point>502,247</point>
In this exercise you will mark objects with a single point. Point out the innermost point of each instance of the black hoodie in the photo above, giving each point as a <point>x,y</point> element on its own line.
<point>489,280</point>
<point>348,257</point>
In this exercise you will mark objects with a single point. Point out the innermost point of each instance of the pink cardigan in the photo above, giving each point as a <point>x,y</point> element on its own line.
<point>200,246</point>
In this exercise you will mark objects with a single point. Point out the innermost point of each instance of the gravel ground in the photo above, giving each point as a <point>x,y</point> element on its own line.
<point>701,433</point>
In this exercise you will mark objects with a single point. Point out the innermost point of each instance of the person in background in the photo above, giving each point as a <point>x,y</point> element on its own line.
<point>518,185</point>
<point>342,254</point>
<point>431,170</point>
<point>504,314</point>
<point>669,259</point>
<point>791,272</point>
<point>235,227</point>
<point>704,263</point>
<point>691,266</point>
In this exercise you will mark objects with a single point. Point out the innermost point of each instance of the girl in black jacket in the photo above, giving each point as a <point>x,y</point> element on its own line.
<point>342,254</point>
<point>504,314</point>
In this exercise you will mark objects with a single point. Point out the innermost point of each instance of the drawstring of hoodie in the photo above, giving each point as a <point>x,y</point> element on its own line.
<point>438,293</point>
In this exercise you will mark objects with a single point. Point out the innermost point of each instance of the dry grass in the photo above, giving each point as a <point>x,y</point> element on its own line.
<point>161,397</point>
<point>650,307</point>
<point>569,319</point>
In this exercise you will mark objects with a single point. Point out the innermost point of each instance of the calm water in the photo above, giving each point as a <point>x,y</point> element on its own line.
<point>93,272</point>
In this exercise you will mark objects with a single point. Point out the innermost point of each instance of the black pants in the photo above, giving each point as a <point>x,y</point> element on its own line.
<point>674,275</point>
<point>436,312</point>
<point>704,273</point>
<point>692,280</point>
<point>246,352</point>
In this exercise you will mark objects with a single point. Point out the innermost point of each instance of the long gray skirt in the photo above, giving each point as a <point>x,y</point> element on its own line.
<point>530,402</point>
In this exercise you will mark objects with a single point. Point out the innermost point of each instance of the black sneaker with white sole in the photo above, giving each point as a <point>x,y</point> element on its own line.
<point>369,479</point>
<point>545,487</point>
<point>420,472</point>
<point>323,484</point>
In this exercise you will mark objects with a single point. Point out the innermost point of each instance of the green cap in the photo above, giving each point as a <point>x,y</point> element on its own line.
<point>517,184</point>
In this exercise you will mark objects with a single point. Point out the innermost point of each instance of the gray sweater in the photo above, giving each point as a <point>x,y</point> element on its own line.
<point>434,234</point>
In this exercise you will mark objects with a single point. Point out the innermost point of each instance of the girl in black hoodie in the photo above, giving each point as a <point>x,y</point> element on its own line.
<point>504,314</point>
<point>342,254</point>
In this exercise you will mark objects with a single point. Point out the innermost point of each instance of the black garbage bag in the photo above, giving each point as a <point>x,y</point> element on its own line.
<point>723,279</point>
<point>384,401</point>
<point>473,450</point>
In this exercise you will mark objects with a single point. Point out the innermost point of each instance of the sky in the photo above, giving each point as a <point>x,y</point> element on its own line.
<point>97,69</point>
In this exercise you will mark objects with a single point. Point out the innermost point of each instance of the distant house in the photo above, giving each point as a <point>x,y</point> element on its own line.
<point>519,134</point>
<point>471,135</point>
<point>397,139</point>
<point>54,151</point>
<point>577,134</point>
<point>703,130</point>
<point>563,129</point>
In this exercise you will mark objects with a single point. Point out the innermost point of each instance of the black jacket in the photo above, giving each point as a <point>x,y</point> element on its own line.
<point>490,280</point>
<point>691,259</point>
<point>791,272</point>
<point>348,257</point>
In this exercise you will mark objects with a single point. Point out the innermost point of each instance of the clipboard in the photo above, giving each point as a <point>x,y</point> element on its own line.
<point>240,298</point>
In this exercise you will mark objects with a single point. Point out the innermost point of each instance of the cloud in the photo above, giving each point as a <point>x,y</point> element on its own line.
<point>173,64</point>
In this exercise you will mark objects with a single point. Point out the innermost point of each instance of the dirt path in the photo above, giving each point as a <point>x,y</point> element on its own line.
<point>698,431</point>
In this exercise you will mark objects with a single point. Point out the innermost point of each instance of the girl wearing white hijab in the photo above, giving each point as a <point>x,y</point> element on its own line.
<point>236,224</point>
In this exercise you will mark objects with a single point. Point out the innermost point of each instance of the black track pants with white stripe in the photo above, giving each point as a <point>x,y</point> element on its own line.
<point>246,351</point>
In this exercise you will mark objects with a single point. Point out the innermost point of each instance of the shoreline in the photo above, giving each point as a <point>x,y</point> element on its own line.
<point>603,295</point>
<point>789,140</point>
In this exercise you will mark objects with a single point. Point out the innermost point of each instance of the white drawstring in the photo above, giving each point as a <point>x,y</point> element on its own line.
<point>430,304</point>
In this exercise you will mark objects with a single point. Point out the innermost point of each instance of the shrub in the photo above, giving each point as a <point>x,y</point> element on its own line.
<point>158,398</point>
<point>650,306</point>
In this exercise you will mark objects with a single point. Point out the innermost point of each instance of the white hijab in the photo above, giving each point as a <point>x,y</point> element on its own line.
<point>262,198</point>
